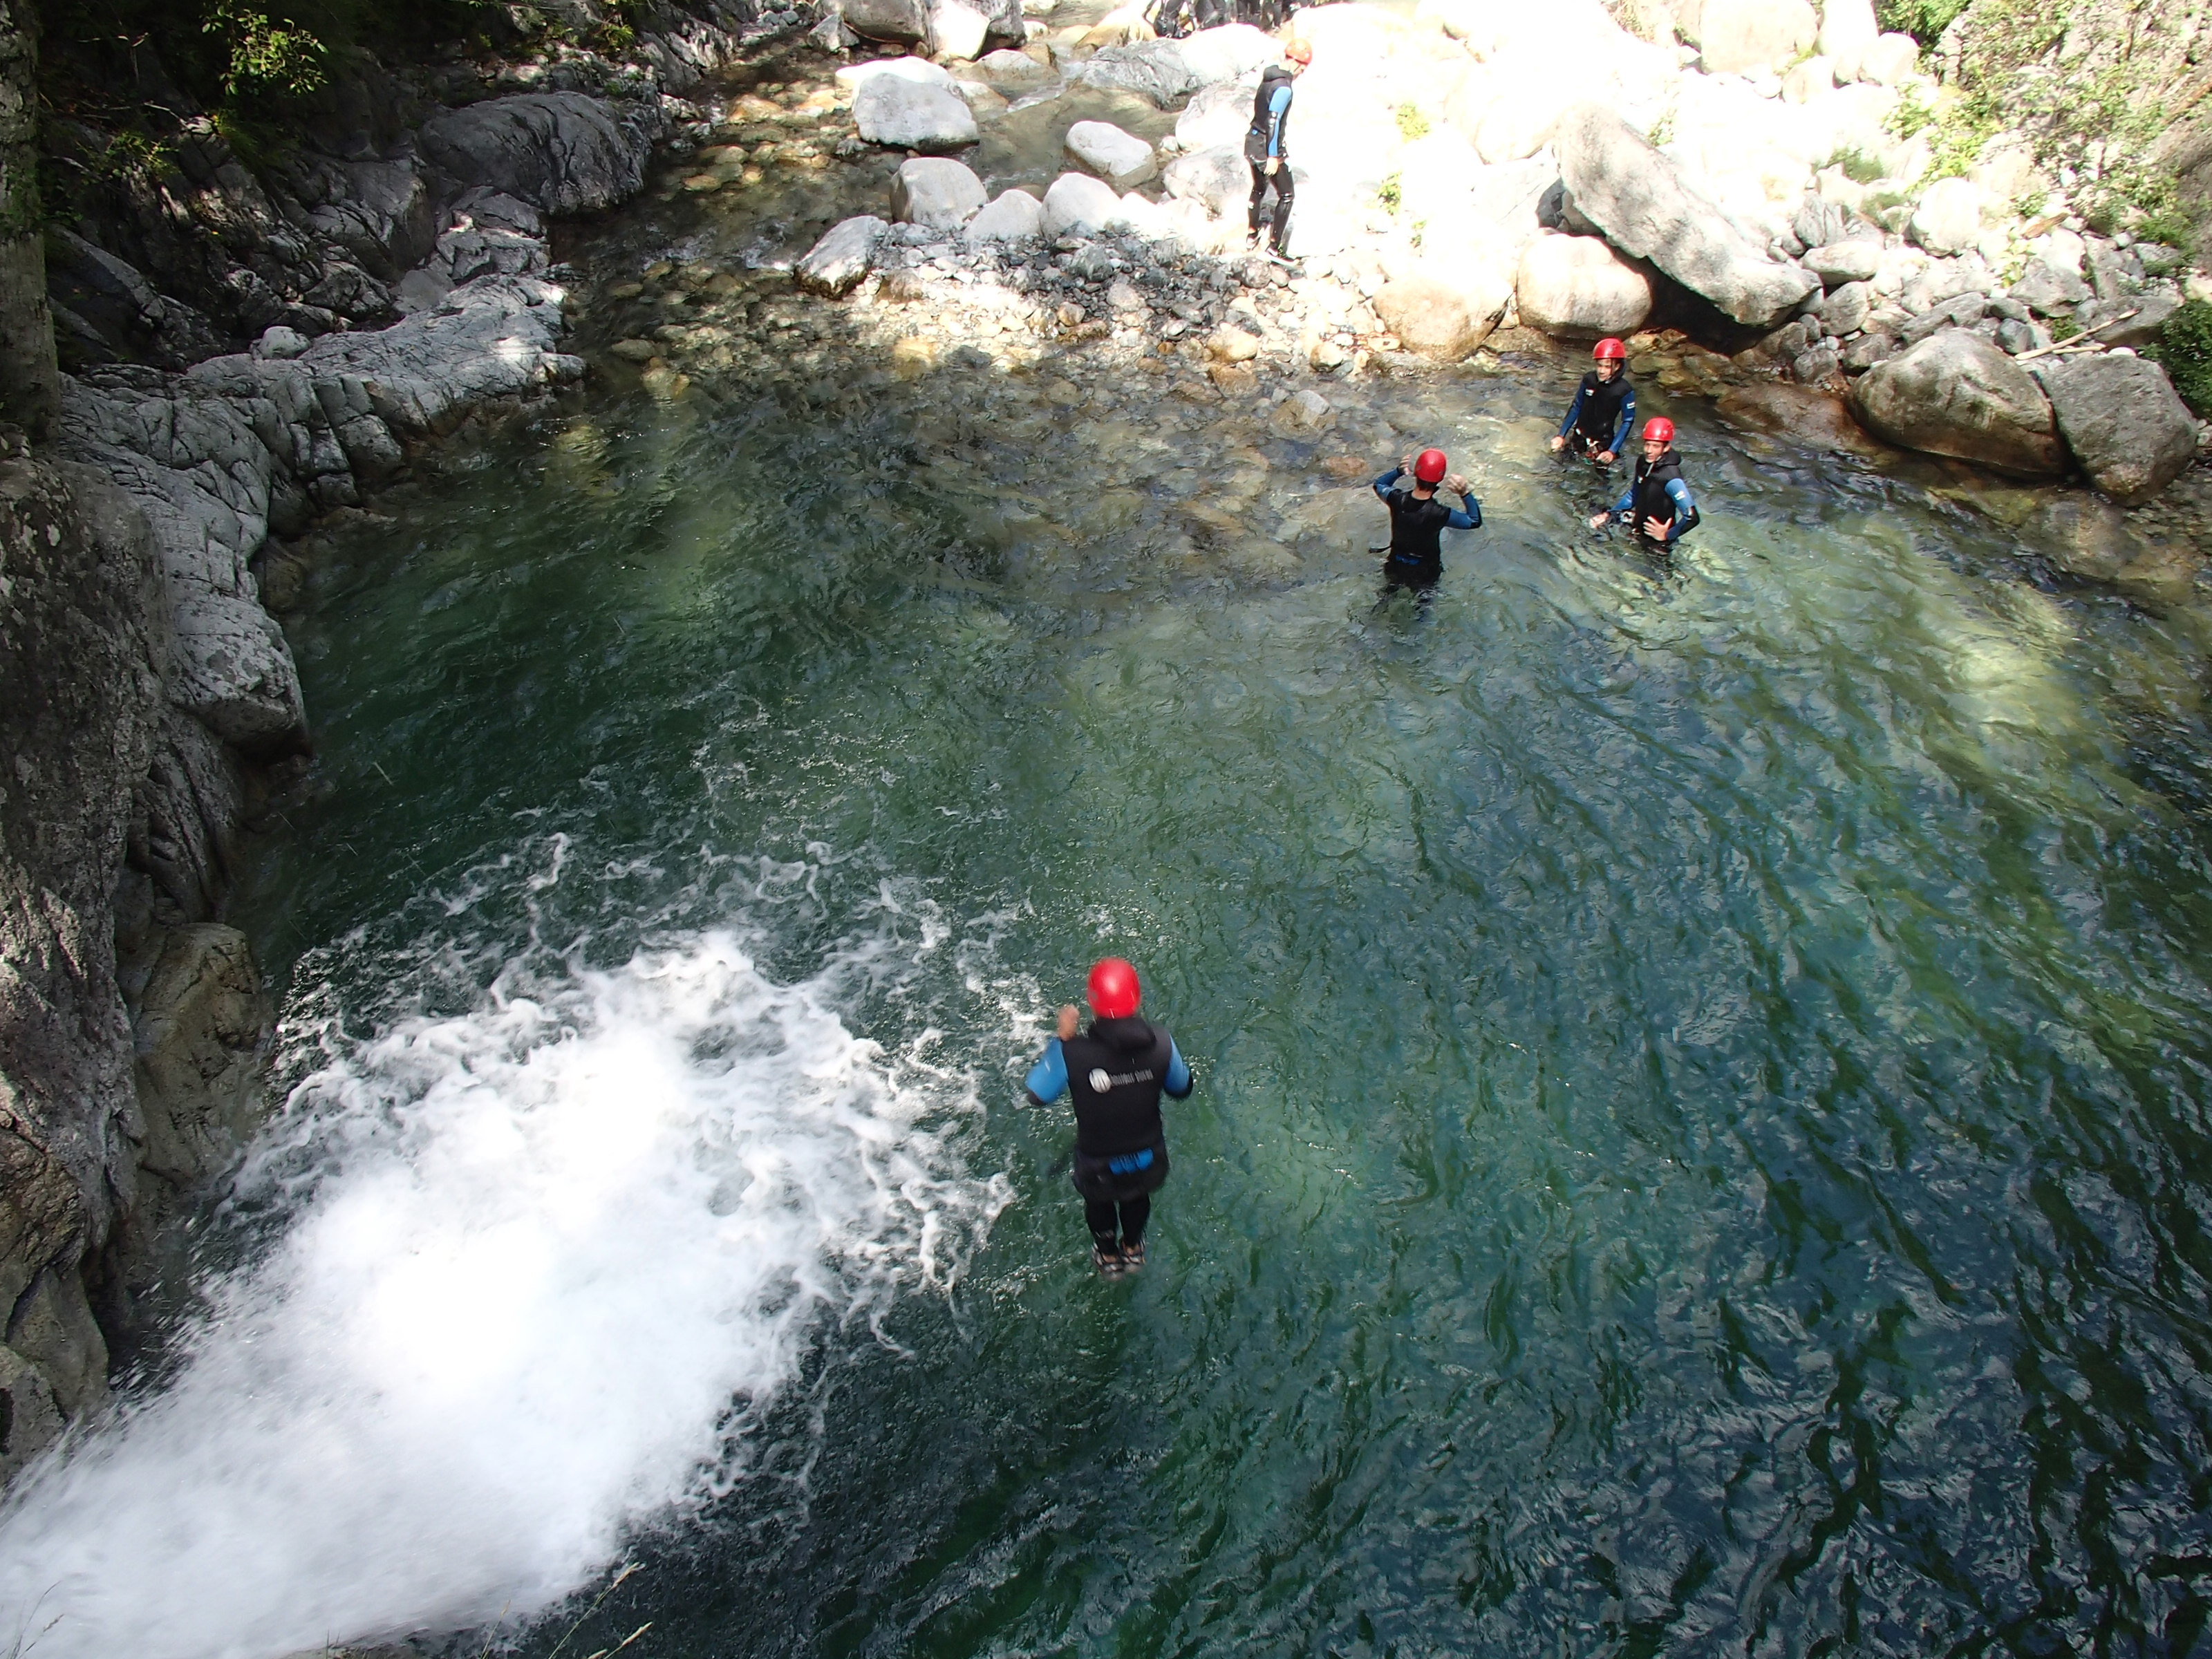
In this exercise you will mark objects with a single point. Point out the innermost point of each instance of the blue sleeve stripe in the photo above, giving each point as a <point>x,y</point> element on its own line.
<point>1574,413</point>
<point>1177,1082</point>
<point>1627,422</point>
<point>1048,1079</point>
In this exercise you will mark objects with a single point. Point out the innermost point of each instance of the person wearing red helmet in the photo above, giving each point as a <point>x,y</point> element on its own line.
<point>1264,146</point>
<point>1419,519</point>
<point>1114,1074</point>
<point>1657,504</point>
<point>1603,412</point>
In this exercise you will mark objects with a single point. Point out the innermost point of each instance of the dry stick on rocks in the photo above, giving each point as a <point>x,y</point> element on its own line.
<point>613,1584</point>
<point>609,1653</point>
<point>2082,342</point>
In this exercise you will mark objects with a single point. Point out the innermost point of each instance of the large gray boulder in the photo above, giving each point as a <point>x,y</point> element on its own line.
<point>904,22</point>
<point>561,152</point>
<point>2121,418</point>
<point>1009,218</point>
<point>913,115</point>
<point>1215,116</point>
<point>835,265</point>
<point>1219,178</point>
<point>1738,35</point>
<point>1081,205</point>
<point>1156,68</point>
<point>2047,287</point>
<point>1578,287</point>
<point>1851,261</point>
<point>937,191</point>
<point>1956,394</point>
<point>1632,193</point>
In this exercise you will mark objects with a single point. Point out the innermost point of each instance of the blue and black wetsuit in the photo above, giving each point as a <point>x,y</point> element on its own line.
<point>1657,492</point>
<point>1603,415</point>
<point>1115,1073</point>
<point>1416,528</point>
<point>1265,141</point>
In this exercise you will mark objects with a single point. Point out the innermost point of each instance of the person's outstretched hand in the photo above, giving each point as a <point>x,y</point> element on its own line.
<point>1406,462</point>
<point>1598,523</point>
<point>1606,457</point>
<point>1558,443</point>
<point>1070,1022</point>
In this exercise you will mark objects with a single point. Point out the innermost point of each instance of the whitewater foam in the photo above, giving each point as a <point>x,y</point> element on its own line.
<point>548,1262</point>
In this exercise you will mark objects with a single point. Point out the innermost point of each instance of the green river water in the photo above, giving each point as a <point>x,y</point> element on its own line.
<point>1699,1140</point>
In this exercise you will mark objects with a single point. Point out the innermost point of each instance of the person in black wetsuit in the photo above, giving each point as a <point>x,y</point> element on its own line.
<point>1657,503</point>
<point>1603,412</point>
<point>1419,519</point>
<point>1115,1073</point>
<point>1267,148</point>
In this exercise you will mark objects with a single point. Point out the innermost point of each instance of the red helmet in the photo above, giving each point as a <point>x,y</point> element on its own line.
<point>1661,427</point>
<point>1430,467</point>
<point>1298,51</point>
<point>1113,990</point>
<point>1611,347</point>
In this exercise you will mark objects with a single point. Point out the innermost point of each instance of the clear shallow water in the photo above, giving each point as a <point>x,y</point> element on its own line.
<point>1699,1134</point>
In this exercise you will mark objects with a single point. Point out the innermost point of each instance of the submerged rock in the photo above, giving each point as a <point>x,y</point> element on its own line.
<point>1636,196</point>
<point>2122,418</point>
<point>1956,394</point>
<point>909,114</point>
<point>1122,158</point>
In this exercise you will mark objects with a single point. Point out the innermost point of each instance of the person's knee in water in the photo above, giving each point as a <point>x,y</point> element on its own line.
<point>1603,412</point>
<point>1115,1074</point>
<point>1267,147</point>
<point>1657,504</point>
<point>1419,519</point>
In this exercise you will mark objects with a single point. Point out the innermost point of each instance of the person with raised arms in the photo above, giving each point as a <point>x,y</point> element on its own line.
<point>1114,1074</point>
<point>1419,519</point>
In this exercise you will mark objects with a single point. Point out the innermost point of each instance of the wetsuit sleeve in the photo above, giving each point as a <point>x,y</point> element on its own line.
<point>1278,107</point>
<point>1471,518</point>
<point>1383,481</point>
<point>1177,1084</point>
<point>1048,1079</point>
<point>1626,504</point>
<point>1627,421</point>
<point>1574,411</point>
<point>1686,510</point>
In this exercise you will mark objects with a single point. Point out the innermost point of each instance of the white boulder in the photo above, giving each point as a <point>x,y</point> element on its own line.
<point>1008,218</point>
<point>937,191</point>
<point>920,70</point>
<point>1847,29</point>
<point>912,114</point>
<point>1578,287</point>
<point>1120,158</point>
<point>1233,51</point>
<point>1081,205</point>
<point>1947,219</point>
<point>835,265</point>
<point>957,28</point>
<point>1215,115</point>
<point>1889,58</point>
<point>1734,36</point>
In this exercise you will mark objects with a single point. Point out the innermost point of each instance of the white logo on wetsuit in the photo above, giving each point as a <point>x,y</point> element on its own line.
<point>1101,1080</point>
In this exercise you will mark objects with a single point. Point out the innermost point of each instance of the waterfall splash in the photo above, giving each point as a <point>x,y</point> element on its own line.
<point>547,1263</point>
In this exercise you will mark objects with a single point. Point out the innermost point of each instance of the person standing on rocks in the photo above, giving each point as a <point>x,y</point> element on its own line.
<point>1114,1074</point>
<point>1603,412</point>
<point>1266,149</point>
<point>1419,519</point>
<point>1657,504</point>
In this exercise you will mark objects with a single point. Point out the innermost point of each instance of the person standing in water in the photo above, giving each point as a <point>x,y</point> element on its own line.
<point>1115,1073</point>
<point>1603,412</point>
<point>1657,504</point>
<point>1266,149</point>
<point>1419,519</point>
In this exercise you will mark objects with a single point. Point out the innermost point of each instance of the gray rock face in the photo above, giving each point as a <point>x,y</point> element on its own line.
<point>835,265</point>
<point>1838,262</point>
<point>1217,177</point>
<point>905,23</point>
<point>913,115</point>
<point>2122,418</point>
<point>1955,313</point>
<point>1956,394</point>
<point>1079,204</point>
<point>2047,289</point>
<point>1122,159</point>
<point>1845,311</point>
<point>1156,68</point>
<point>1578,287</point>
<point>936,192</point>
<point>561,152</point>
<point>1633,193</point>
<point>2109,319</point>
<point>1868,349</point>
<point>1820,223</point>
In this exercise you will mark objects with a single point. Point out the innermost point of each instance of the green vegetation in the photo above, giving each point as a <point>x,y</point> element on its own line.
<point>1412,124</point>
<point>1955,129</point>
<point>1389,193</point>
<point>1923,20</point>
<point>2185,346</point>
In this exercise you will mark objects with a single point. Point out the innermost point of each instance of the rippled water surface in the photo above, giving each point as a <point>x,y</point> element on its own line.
<point>1699,1138</point>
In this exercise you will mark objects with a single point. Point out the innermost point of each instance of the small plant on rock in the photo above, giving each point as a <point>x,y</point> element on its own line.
<point>2185,346</point>
<point>1412,124</point>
